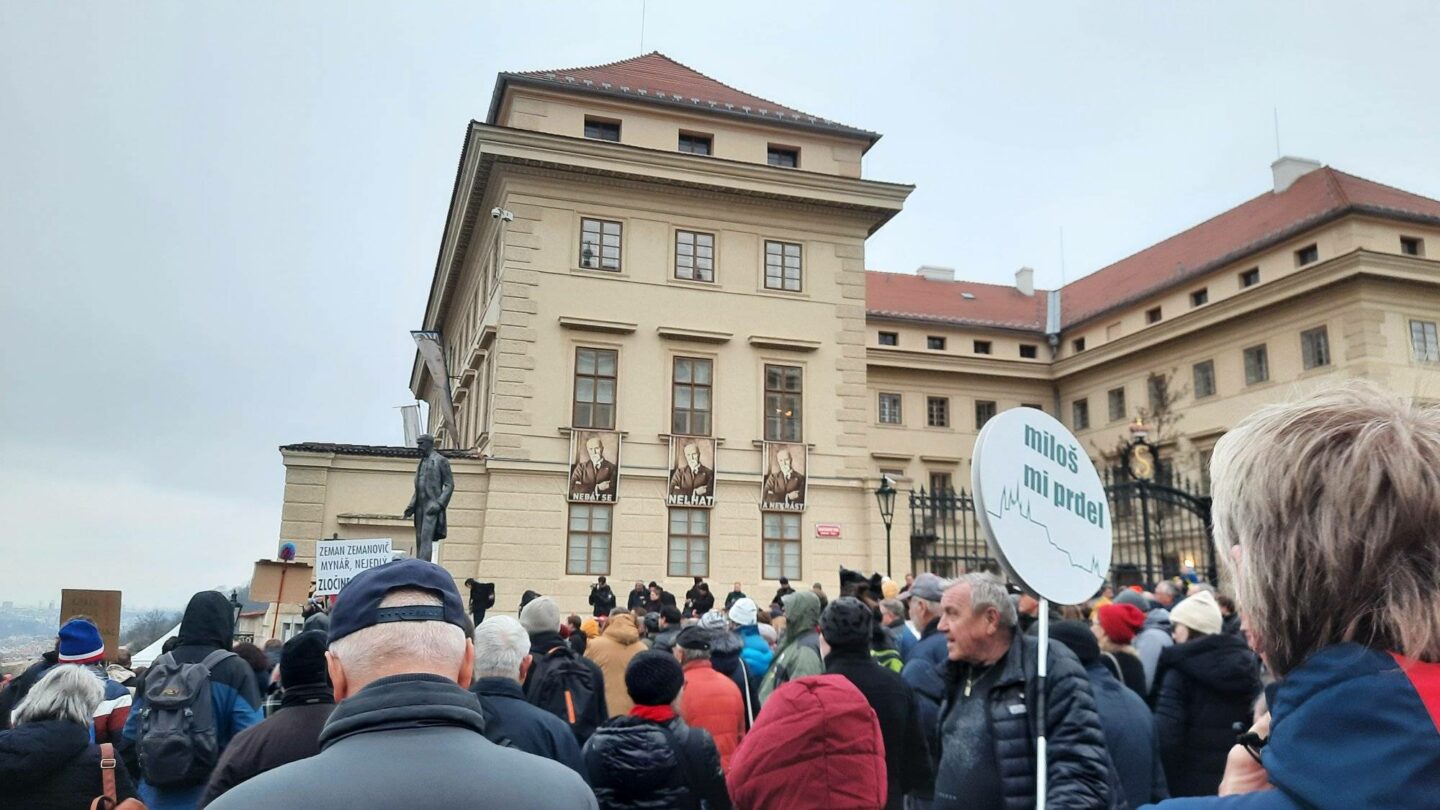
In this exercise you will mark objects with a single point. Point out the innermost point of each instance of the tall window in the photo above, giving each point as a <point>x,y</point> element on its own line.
<point>782,156</point>
<point>1156,389</point>
<point>599,244</point>
<point>1204,379</point>
<point>694,143</point>
<point>1424,346</point>
<point>783,403</point>
<point>1257,365</point>
<point>602,130</point>
<point>984,412</point>
<point>889,409</point>
<point>1080,414</point>
<point>782,266</point>
<point>889,338</point>
<point>780,544</point>
<point>1250,278</point>
<point>691,406</point>
<point>588,541</point>
<point>695,256</point>
<point>940,483</point>
<point>1117,404</point>
<point>1315,347</point>
<point>937,411</point>
<point>594,389</point>
<point>689,542</point>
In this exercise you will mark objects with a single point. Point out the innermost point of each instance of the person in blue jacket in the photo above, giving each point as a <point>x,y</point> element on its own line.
<point>1326,512</point>
<point>756,653</point>
<point>208,625</point>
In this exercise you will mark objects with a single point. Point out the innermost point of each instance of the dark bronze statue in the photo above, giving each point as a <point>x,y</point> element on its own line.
<point>434,485</point>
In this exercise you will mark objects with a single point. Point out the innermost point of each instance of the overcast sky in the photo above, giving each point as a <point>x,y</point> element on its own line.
<point>218,222</point>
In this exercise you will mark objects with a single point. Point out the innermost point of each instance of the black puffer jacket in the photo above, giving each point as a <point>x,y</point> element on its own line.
<point>635,764</point>
<point>52,765</point>
<point>1078,766</point>
<point>1202,689</point>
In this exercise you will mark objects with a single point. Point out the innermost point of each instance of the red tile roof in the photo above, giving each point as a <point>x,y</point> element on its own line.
<point>1315,198</point>
<point>896,295</point>
<point>1270,218</point>
<point>656,78</point>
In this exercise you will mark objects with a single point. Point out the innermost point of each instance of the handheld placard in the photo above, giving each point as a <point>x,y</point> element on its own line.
<point>1045,515</point>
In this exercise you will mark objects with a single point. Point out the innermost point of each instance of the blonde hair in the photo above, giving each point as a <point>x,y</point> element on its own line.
<point>1334,502</point>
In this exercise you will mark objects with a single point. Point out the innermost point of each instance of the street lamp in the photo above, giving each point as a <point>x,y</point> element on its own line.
<point>237,606</point>
<point>885,497</point>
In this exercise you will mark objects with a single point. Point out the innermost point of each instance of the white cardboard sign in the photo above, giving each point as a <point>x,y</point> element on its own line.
<point>337,561</point>
<point>1042,505</point>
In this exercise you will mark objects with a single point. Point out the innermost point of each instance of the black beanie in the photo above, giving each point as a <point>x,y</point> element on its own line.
<point>654,678</point>
<point>846,623</point>
<point>1079,638</point>
<point>302,660</point>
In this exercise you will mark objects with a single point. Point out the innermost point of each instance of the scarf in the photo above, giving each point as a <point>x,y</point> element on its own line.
<point>655,714</point>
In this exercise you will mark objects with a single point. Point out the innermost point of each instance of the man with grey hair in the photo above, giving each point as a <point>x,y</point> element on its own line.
<point>405,732</point>
<point>502,660</point>
<point>923,666</point>
<point>987,736</point>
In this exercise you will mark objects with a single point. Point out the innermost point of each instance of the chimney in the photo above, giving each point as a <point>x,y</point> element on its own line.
<point>1025,280</point>
<point>936,273</point>
<point>1289,169</point>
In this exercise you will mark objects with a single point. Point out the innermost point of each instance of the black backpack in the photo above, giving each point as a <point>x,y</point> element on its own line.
<point>179,742</point>
<point>568,687</point>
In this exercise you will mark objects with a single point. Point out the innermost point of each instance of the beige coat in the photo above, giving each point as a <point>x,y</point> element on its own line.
<point>612,651</point>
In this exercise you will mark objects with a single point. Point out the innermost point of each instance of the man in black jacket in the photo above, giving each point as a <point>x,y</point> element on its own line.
<point>987,727</point>
<point>293,732</point>
<point>541,620</point>
<point>502,659</point>
<point>602,599</point>
<point>846,628</point>
<point>638,596</point>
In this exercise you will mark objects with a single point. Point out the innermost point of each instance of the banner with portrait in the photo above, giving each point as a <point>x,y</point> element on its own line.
<point>784,472</point>
<point>594,466</point>
<point>692,471</point>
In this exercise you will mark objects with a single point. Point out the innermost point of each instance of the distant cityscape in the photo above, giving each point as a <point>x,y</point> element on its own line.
<point>28,629</point>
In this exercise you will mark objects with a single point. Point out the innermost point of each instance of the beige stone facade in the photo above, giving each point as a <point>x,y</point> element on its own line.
<point>517,301</point>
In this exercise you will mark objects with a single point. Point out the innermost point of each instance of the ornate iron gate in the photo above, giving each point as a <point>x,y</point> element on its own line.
<point>1158,529</point>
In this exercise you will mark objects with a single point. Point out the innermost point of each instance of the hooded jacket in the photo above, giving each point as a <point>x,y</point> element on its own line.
<point>726,656</point>
<point>757,653</point>
<point>511,720</point>
<point>841,766</point>
<point>1203,688</point>
<point>52,765</point>
<point>602,599</point>
<point>1156,635</point>
<point>290,734</point>
<point>612,652</point>
<point>1077,764</point>
<point>712,701</point>
<point>411,741</point>
<point>1349,728</point>
<point>799,653</point>
<point>639,764</point>
<point>208,625</point>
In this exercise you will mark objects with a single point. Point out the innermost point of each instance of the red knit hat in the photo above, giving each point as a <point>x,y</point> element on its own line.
<point>1121,622</point>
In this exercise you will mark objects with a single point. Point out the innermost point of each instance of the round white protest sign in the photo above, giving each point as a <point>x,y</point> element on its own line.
<point>1042,505</point>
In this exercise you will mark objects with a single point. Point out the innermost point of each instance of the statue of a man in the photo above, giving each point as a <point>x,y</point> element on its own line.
<point>433,487</point>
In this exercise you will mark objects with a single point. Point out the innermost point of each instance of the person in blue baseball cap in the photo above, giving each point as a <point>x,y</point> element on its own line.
<point>407,732</point>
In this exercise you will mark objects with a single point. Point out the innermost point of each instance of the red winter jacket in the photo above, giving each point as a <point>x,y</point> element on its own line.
<point>712,701</point>
<point>816,743</point>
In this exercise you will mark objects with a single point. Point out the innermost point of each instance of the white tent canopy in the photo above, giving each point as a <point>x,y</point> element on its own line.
<point>147,656</point>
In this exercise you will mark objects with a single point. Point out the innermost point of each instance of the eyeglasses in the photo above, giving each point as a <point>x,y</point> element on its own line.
<point>1252,743</point>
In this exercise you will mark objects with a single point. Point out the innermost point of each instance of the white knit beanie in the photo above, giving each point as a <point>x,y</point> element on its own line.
<point>743,612</point>
<point>1198,612</point>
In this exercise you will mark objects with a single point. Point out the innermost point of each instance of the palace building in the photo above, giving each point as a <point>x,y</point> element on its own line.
<point>667,358</point>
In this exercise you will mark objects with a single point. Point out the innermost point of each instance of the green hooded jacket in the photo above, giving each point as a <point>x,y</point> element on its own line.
<point>799,654</point>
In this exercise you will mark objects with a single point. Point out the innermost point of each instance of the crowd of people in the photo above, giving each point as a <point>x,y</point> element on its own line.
<point>1316,686</point>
